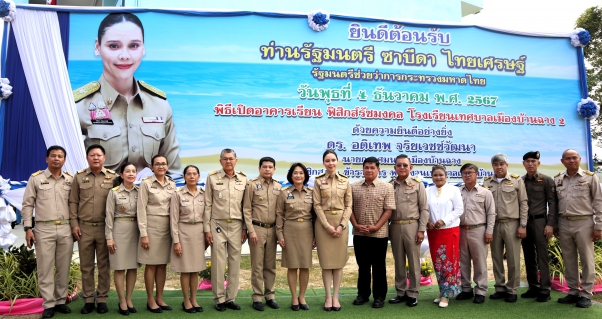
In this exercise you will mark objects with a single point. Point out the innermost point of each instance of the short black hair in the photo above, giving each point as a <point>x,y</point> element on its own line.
<point>371,159</point>
<point>289,175</point>
<point>94,146</point>
<point>157,156</point>
<point>267,159</point>
<point>469,166</point>
<point>402,156</point>
<point>56,148</point>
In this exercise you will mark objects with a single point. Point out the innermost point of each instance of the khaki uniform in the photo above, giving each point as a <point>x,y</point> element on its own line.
<point>332,203</point>
<point>121,225</point>
<point>579,206</point>
<point>54,242</point>
<point>187,229</point>
<point>409,217</point>
<point>294,217</point>
<point>87,210</point>
<point>259,207</point>
<point>223,212</point>
<point>133,132</point>
<point>511,207</point>
<point>478,219</point>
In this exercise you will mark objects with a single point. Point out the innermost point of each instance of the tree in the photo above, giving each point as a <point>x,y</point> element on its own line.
<point>591,20</point>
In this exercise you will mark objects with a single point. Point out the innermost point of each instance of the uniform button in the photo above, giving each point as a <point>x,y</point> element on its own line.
<point>134,148</point>
<point>131,125</point>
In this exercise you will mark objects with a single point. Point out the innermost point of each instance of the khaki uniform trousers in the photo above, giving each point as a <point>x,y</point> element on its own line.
<point>54,247</point>
<point>403,244</point>
<point>226,241</point>
<point>504,236</point>
<point>473,254</point>
<point>575,238</point>
<point>93,243</point>
<point>263,263</point>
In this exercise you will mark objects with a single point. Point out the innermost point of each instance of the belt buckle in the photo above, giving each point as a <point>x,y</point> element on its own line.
<point>132,219</point>
<point>300,219</point>
<point>228,221</point>
<point>94,224</point>
<point>334,213</point>
<point>57,222</point>
<point>267,225</point>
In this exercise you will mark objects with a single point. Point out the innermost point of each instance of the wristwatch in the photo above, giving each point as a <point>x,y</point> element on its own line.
<point>343,226</point>
<point>26,228</point>
<point>523,225</point>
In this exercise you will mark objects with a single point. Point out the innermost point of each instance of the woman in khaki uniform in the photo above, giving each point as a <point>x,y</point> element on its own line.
<point>188,254</point>
<point>121,230</point>
<point>332,204</point>
<point>154,198</point>
<point>295,232</point>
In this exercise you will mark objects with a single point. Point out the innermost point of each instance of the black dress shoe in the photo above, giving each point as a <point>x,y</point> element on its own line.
<point>498,295</point>
<point>62,308</point>
<point>295,307</point>
<point>48,313</point>
<point>257,305</point>
<point>125,312</point>
<point>327,308</point>
<point>272,304</point>
<point>531,293</point>
<point>232,305</point>
<point>303,306</point>
<point>378,303</point>
<point>164,307</point>
<point>465,295</point>
<point>189,310</point>
<point>479,299</point>
<point>412,302</point>
<point>359,300</point>
<point>101,307</point>
<point>398,299</point>
<point>543,298</point>
<point>198,309</point>
<point>88,307</point>
<point>511,298</point>
<point>155,310</point>
<point>583,302</point>
<point>335,308</point>
<point>220,307</point>
<point>568,299</point>
<point>132,310</point>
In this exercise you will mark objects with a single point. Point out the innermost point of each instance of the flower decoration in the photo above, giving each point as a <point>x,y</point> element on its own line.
<point>318,20</point>
<point>588,109</point>
<point>8,10</point>
<point>580,37</point>
<point>5,89</point>
<point>426,269</point>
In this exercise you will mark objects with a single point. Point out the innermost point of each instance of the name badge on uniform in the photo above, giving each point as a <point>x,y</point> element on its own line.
<point>85,180</point>
<point>154,187</point>
<point>324,182</point>
<point>480,195</point>
<point>290,196</point>
<point>308,197</point>
<point>184,200</point>
<point>341,183</point>
<point>67,184</point>
<point>238,183</point>
<point>152,119</point>
<point>44,182</point>
<point>219,183</point>
<point>122,198</point>
<point>259,187</point>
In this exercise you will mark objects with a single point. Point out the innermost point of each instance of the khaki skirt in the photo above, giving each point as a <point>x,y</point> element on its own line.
<point>192,240</point>
<point>332,252</point>
<point>159,236</point>
<point>125,236</point>
<point>298,238</point>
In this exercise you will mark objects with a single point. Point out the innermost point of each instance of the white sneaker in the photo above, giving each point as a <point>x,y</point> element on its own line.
<point>443,303</point>
<point>437,300</point>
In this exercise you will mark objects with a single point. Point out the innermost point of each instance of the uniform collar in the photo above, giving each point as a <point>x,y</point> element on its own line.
<point>122,187</point>
<point>535,176</point>
<point>103,171</point>
<point>47,173</point>
<point>580,172</point>
<point>476,188</point>
<point>154,179</point>
<point>262,180</point>
<point>109,94</point>
<point>186,190</point>
<point>221,173</point>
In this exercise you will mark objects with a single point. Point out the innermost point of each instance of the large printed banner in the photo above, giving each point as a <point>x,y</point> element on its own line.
<point>271,86</point>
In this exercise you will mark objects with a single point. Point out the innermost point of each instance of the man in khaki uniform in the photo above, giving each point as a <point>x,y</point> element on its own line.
<point>542,198</point>
<point>476,229</point>
<point>48,193</point>
<point>579,206</point>
<point>406,231</point>
<point>373,201</point>
<point>260,218</point>
<point>87,205</point>
<point>224,227</point>
<point>511,207</point>
<point>130,132</point>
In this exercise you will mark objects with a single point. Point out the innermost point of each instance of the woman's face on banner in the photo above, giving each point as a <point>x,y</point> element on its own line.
<point>121,50</point>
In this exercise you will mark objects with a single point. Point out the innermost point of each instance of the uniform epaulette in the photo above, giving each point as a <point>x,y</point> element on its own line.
<point>178,189</point>
<point>115,188</point>
<point>81,171</point>
<point>310,188</point>
<point>589,173</point>
<point>485,187</point>
<point>241,173</point>
<point>136,187</point>
<point>342,175</point>
<point>170,179</point>
<point>81,92</point>
<point>110,171</point>
<point>557,174</point>
<point>37,173</point>
<point>254,179</point>
<point>147,177</point>
<point>487,178</point>
<point>320,175</point>
<point>287,187</point>
<point>393,179</point>
<point>417,179</point>
<point>514,176</point>
<point>152,89</point>
<point>213,172</point>
<point>67,173</point>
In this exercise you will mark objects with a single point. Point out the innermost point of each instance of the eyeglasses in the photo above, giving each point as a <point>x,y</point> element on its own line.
<point>402,165</point>
<point>160,164</point>
<point>468,173</point>
<point>228,159</point>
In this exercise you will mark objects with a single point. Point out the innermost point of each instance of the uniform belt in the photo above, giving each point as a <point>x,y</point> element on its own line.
<point>166,216</point>
<point>404,221</point>
<point>576,217</point>
<point>92,223</point>
<point>126,219</point>
<point>332,212</point>
<point>53,222</point>
<point>469,227</point>
<point>191,223</point>
<point>256,223</point>
<point>505,220</point>
<point>531,217</point>
<point>226,220</point>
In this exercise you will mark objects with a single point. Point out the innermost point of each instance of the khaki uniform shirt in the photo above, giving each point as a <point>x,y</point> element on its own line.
<point>260,202</point>
<point>542,196</point>
<point>510,197</point>
<point>186,208</point>
<point>479,207</point>
<point>153,199</point>
<point>332,193</point>
<point>369,204</point>
<point>293,205</point>
<point>224,197</point>
<point>579,195</point>
<point>410,201</point>
<point>139,130</point>
<point>88,197</point>
<point>49,196</point>
<point>121,203</point>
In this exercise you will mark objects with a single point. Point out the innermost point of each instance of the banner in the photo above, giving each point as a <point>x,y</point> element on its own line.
<point>272,86</point>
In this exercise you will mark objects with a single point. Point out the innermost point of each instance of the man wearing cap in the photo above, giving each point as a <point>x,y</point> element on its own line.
<point>542,199</point>
<point>579,206</point>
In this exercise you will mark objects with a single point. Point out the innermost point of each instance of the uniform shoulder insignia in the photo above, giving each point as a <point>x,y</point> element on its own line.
<point>485,187</point>
<point>147,177</point>
<point>557,175</point>
<point>178,189</point>
<point>110,171</point>
<point>67,173</point>
<point>136,187</point>
<point>589,173</point>
<point>343,175</point>
<point>310,188</point>
<point>213,172</point>
<point>487,178</point>
<point>170,179</point>
<point>514,176</point>
<point>285,188</point>
<point>151,89</point>
<point>392,179</point>
<point>81,92</point>
<point>241,173</point>
<point>81,171</point>
<point>417,179</point>
<point>320,175</point>
<point>254,179</point>
<point>115,188</point>
<point>37,173</point>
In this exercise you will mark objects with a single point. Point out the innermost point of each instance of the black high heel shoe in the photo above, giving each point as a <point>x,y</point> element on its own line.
<point>189,310</point>
<point>156,310</point>
<point>125,312</point>
<point>132,310</point>
<point>303,306</point>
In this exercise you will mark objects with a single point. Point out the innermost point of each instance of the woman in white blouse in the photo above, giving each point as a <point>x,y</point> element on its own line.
<point>445,209</point>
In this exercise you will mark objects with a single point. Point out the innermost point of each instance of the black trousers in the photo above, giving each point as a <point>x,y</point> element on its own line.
<point>371,254</point>
<point>535,250</point>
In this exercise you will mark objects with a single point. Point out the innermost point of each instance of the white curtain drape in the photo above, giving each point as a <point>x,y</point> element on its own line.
<point>39,42</point>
